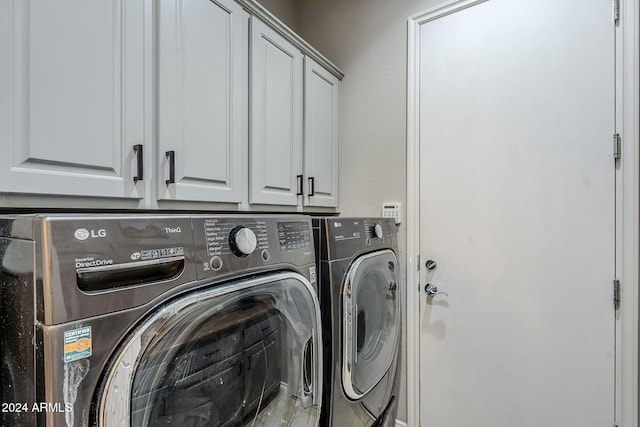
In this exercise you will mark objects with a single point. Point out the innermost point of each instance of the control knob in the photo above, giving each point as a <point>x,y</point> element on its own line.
<point>377,232</point>
<point>242,241</point>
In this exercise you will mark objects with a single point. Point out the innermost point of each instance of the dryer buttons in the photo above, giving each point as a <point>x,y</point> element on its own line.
<point>377,232</point>
<point>242,241</point>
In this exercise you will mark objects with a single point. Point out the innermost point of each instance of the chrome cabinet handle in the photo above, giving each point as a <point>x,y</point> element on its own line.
<point>432,290</point>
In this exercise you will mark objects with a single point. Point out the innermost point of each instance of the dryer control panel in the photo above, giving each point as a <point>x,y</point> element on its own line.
<point>378,229</point>
<point>347,236</point>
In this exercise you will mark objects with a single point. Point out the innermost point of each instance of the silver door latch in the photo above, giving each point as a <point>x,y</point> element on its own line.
<point>432,290</point>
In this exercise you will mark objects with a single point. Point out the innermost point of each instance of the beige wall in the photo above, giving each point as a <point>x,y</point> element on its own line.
<point>367,40</point>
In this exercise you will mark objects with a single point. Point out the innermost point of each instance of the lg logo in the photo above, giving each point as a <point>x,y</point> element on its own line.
<point>84,234</point>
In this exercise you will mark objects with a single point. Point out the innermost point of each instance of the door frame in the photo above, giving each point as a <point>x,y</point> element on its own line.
<point>627,57</point>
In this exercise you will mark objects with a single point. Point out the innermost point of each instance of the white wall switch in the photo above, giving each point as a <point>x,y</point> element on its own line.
<point>392,210</point>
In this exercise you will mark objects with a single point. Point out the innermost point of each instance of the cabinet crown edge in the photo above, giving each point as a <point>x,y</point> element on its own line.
<point>259,11</point>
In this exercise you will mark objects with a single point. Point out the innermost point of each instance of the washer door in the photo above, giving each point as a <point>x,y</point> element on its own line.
<point>371,321</point>
<point>243,353</point>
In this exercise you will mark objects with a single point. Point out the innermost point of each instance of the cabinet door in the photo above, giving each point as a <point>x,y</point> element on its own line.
<point>202,81</point>
<point>276,117</point>
<point>321,147</point>
<point>72,103</point>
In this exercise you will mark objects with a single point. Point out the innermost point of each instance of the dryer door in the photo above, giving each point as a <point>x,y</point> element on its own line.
<point>371,321</point>
<point>245,353</point>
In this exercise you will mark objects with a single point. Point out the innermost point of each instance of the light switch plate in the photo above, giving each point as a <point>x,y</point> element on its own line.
<point>392,210</point>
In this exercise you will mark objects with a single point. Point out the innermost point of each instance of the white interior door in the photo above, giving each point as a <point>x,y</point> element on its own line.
<point>517,210</point>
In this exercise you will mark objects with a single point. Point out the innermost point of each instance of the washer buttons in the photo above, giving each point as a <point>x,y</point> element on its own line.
<point>216,263</point>
<point>266,255</point>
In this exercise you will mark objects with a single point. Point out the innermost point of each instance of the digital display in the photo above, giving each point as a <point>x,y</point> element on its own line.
<point>294,235</point>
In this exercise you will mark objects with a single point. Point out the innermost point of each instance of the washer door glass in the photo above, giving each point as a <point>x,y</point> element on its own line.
<point>371,321</point>
<point>247,353</point>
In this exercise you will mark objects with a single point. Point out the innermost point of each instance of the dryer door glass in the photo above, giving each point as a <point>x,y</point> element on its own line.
<point>371,321</point>
<point>243,354</point>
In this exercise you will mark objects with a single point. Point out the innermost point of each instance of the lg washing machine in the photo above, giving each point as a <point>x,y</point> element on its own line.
<point>359,291</point>
<point>159,320</point>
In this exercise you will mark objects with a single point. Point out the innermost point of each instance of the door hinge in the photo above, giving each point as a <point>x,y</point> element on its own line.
<point>616,12</point>
<point>418,258</point>
<point>617,146</point>
<point>616,293</point>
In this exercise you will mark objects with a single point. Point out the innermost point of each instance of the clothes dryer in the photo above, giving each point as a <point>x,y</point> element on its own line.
<point>150,320</point>
<point>359,292</point>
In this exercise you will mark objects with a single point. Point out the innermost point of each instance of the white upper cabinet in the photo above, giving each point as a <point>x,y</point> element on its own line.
<point>187,104</point>
<point>276,118</point>
<point>71,97</point>
<point>321,147</point>
<point>201,100</point>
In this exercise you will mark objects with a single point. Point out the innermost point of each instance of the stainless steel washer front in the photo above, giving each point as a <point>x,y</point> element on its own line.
<point>152,320</point>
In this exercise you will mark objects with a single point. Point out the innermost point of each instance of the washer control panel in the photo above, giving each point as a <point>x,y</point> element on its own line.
<point>294,235</point>
<point>229,243</point>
